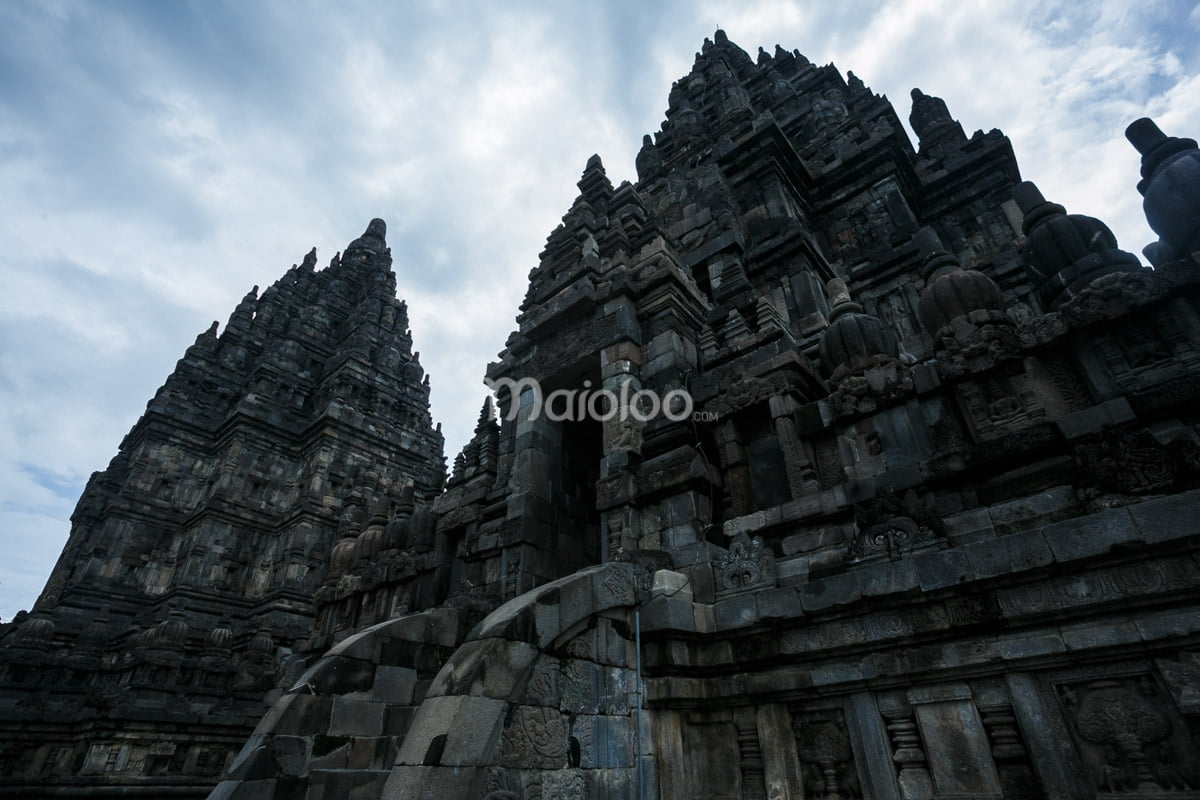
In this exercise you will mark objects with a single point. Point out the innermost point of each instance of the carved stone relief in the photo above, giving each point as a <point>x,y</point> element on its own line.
<point>830,771</point>
<point>1129,736</point>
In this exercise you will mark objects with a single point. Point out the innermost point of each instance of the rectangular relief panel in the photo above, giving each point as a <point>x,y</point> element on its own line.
<point>711,749</point>
<point>956,743</point>
<point>829,763</point>
<point>1130,736</point>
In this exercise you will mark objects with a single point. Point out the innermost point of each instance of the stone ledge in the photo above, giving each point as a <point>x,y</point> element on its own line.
<point>1096,418</point>
<point>937,569</point>
<point>736,612</point>
<point>1007,554</point>
<point>832,591</point>
<point>1095,534</point>
<point>1168,518</point>
<point>668,613</point>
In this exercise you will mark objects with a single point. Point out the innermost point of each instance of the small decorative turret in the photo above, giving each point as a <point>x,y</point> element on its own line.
<point>217,653</point>
<point>860,356</point>
<point>95,635</point>
<point>262,644</point>
<point>594,185</point>
<point>373,240</point>
<point>310,261</point>
<point>1065,252</point>
<point>1171,187</point>
<point>479,455</point>
<point>372,540</point>
<point>172,632</point>
<point>951,291</point>
<point>220,639</point>
<point>342,559</point>
<point>35,633</point>
<point>395,533</point>
<point>648,162</point>
<point>422,529</point>
<point>964,311</point>
<point>853,335</point>
<point>242,316</point>
<point>931,120</point>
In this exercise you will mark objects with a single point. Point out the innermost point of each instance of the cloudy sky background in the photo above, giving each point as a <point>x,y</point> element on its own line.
<point>157,159</point>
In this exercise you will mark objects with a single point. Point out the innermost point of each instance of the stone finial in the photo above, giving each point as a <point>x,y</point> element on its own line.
<point>647,162</point>
<point>310,261</point>
<point>1155,146</point>
<point>1171,187</point>
<point>852,335</point>
<point>262,643</point>
<point>243,314</point>
<point>220,638</point>
<point>35,633</point>
<point>950,291</point>
<point>172,632</point>
<point>931,120</point>
<point>594,185</point>
<point>1034,206</point>
<point>373,239</point>
<point>839,293</point>
<point>404,506</point>
<point>1064,252</point>
<point>487,416</point>
<point>422,529</point>
<point>937,258</point>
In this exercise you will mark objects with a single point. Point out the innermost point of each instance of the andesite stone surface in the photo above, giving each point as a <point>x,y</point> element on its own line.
<point>930,530</point>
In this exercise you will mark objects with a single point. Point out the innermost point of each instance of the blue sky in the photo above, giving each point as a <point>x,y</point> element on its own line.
<point>159,158</point>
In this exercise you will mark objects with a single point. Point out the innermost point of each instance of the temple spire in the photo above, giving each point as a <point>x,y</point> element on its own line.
<point>595,186</point>
<point>931,121</point>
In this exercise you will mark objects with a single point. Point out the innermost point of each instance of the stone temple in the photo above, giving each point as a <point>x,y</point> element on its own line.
<point>905,504</point>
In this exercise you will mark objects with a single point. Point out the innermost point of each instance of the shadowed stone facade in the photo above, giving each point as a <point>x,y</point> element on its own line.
<point>189,577</point>
<point>929,529</point>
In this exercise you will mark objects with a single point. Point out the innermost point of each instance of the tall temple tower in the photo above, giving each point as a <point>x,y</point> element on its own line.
<point>189,576</point>
<point>902,505</point>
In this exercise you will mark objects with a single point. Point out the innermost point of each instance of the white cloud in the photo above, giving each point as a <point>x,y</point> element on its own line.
<point>156,160</point>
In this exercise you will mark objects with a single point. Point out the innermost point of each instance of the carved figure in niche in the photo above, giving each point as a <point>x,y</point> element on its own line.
<point>628,436</point>
<point>780,90</point>
<point>1142,346</point>
<point>878,218</point>
<point>1130,740</point>
<point>827,112</point>
<point>1000,404</point>
<point>827,760</point>
<point>896,313</point>
<point>1182,677</point>
<point>1004,405</point>
<point>1134,463</point>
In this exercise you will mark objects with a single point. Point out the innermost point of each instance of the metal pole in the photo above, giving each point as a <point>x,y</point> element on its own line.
<point>637,637</point>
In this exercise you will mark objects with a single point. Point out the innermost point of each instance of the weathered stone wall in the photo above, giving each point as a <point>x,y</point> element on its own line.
<point>974,671</point>
<point>536,698</point>
<point>337,730</point>
<point>928,533</point>
<point>186,588</point>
